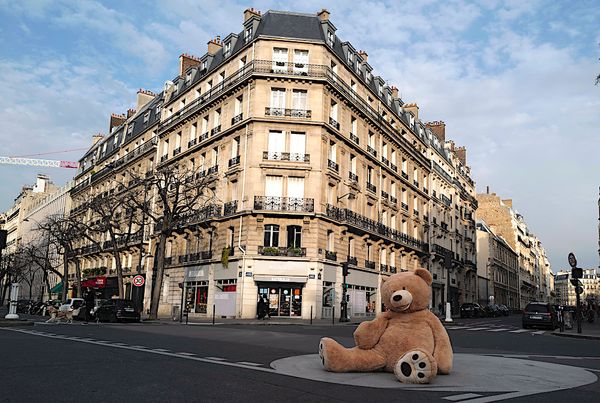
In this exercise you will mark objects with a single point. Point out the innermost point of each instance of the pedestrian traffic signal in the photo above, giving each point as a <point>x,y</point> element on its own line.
<point>345,269</point>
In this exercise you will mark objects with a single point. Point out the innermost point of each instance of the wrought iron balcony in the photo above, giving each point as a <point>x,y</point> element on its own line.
<point>234,161</point>
<point>206,255</point>
<point>334,123</point>
<point>393,199</point>
<point>137,152</point>
<point>383,268</point>
<point>369,264</point>
<point>230,208</point>
<point>212,170</point>
<point>372,151</point>
<point>281,251</point>
<point>416,213</point>
<point>329,255</point>
<point>384,195</point>
<point>371,187</point>
<point>215,130</point>
<point>394,167</point>
<point>404,175</point>
<point>203,137</point>
<point>354,138</point>
<point>393,269</point>
<point>333,165</point>
<point>353,177</point>
<point>446,200</point>
<point>352,261</point>
<point>416,182</point>
<point>209,212</point>
<point>176,151</point>
<point>404,206</point>
<point>192,142</point>
<point>237,118</point>
<point>275,203</point>
<point>385,161</point>
<point>285,156</point>
<point>425,190</point>
<point>291,113</point>
<point>164,158</point>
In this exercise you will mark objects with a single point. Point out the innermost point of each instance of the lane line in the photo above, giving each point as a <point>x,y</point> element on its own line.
<point>519,331</point>
<point>190,354</point>
<point>456,398</point>
<point>215,358</point>
<point>254,364</point>
<point>498,330</point>
<point>539,332</point>
<point>161,350</point>
<point>477,328</point>
<point>456,327</point>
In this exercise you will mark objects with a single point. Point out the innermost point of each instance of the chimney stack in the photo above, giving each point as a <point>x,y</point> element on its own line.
<point>323,15</point>
<point>214,45</point>
<point>412,107</point>
<point>96,138</point>
<point>394,92</point>
<point>508,202</point>
<point>439,129</point>
<point>130,113</point>
<point>461,153</point>
<point>250,13</point>
<point>186,61</point>
<point>363,55</point>
<point>116,120</point>
<point>143,97</point>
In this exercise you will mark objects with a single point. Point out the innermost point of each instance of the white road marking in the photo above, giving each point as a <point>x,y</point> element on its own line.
<point>254,364</point>
<point>498,330</point>
<point>539,332</point>
<point>190,354</point>
<point>161,350</point>
<point>456,327</point>
<point>477,328</point>
<point>463,396</point>
<point>519,331</point>
<point>215,358</point>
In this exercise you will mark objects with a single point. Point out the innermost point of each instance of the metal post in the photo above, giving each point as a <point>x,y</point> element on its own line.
<point>181,309</point>
<point>578,311</point>
<point>344,303</point>
<point>213,315</point>
<point>448,266</point>
<point>333,315</point>
<point>311,313</point>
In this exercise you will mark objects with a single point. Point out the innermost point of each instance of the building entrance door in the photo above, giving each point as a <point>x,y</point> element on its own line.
<point>284,301</point>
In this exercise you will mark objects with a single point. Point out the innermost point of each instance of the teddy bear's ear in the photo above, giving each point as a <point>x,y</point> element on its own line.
<point>425,275</point>
<point>383,279</point>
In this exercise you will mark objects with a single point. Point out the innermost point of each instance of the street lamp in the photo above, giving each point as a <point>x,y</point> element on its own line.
<point>344,303</point>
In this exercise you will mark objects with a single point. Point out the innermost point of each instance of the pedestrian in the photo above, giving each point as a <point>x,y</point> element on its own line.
<point>261,307</point>
<point>89,304</point>
<point>266,314</point>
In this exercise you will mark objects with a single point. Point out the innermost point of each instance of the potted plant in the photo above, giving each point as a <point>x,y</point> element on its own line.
<point>271,251</point>
<point>294,251</point>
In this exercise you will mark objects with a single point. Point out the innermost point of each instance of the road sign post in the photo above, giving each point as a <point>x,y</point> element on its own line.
<point>576,274</point>
<point>138,281</point>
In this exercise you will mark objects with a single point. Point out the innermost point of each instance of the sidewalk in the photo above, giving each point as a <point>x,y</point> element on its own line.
<point>260,322</point>
<point>588,331</point>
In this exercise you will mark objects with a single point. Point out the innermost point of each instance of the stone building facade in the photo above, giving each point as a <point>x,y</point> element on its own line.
<point>314,161</point>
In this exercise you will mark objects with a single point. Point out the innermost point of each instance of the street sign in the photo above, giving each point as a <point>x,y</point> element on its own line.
<point>572,260</point>
<point>138,281</point>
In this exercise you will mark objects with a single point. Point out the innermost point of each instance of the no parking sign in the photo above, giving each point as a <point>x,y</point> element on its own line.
<point>138,281</point>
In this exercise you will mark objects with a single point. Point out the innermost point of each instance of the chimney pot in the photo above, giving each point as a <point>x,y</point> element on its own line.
<point>250,13</point>
<point>323,15</point>
<point>438,128</point>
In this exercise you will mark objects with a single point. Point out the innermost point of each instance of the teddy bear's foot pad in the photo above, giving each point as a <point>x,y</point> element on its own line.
<point>415,367</point>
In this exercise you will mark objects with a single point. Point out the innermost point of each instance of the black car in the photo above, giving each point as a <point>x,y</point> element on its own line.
<point>116,310</point>
<point>504,309</point>
<point>540,314</point>
<point>471,310</point>
<point>492,311</point>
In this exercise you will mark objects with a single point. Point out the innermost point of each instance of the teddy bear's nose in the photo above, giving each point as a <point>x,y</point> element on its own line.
<point>397,297</point>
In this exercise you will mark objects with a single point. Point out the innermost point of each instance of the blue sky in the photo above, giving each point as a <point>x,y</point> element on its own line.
<point>513,80</point>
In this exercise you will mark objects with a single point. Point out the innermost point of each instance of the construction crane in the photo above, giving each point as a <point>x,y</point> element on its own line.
<point>36,162</point>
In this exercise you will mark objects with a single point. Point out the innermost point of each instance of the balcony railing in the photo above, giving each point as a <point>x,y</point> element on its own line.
<point>334,123</point>
<point>281,251</point>
<point>203,137</point>
<point>394,167</point>
<point>393,269</point>
<point>176,151</point>
<point>329,255</point>
<point>393,199</point>
<point>137,152</point>
<point>333,165</point>
<point>164,158</point>
<point>192,142</point>
<point>353,177</point>
<point>369,264</point>
<point>276,203</point>
<point>446,200</point>
<point>416,213</point>
<point>416,182</point>
<point>291,113</point>
<point>212,170</point>
<point>237,118</point>
<point>367,224</point>
<point>383,268</point>
<point>230,208</point>
<point>215,130</point>
<point>354,138</point>
<point>285,156</point>
<point>371,187</point>
<point>372,151</point>
<point>209,212</point>
<point>234,161</point>
<point>404,206</point>
<point>352,261</point>
<point>385,161</point>
<point>384,195</point>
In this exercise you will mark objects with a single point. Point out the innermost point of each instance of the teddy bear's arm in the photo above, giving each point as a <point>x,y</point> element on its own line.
<point>442,350</point>
<point>367,334</point>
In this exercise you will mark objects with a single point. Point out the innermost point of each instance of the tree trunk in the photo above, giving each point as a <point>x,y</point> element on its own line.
<point>65,287</point>
<point>160,268</point>
<point>78,277</point>
<point>119,268</point>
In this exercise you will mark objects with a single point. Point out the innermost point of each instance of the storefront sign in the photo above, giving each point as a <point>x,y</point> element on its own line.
<point>311,276</point>
<point>248,274</point>
<point>281,279</point>
<point>194,274</point>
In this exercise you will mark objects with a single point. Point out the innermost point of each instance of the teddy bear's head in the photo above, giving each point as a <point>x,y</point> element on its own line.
<point>407,291</point>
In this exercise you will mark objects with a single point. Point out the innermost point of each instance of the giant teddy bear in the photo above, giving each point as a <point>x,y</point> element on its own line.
<point>407,339</point>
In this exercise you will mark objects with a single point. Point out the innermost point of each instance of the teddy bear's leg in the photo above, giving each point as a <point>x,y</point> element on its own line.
<point>416,366</point>
<point>337,358</point>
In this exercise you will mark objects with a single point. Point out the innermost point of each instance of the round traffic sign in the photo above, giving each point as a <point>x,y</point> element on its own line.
<point>138,281</point>
<point>572,260</point>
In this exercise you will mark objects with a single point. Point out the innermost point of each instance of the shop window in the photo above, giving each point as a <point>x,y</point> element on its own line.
<point>271,235</point>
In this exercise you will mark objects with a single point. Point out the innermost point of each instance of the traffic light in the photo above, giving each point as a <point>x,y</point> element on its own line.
<point>577,272</point>
<point>347,297</point>
<point>575,282</point>
<point>345,269</point>
<point>579,289</point>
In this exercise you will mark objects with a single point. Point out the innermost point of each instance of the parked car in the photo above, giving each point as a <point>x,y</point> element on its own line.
<point>116,310</point>
<point>492,311</point>
<point>97,304</point>
<point>540,314</point>
<point>75,305</point>
<point>471,310</point>
<point>504,310</point>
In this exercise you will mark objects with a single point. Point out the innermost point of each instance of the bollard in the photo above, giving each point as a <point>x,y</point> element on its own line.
<point>186,318</point>
<point>213,314</point>
<point>311,308</point>
<point>333,315</point>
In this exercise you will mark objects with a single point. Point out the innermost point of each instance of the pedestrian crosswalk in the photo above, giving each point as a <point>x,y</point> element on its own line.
<point>492,327</point>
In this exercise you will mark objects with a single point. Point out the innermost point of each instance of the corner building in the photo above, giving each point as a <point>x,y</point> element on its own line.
<point>314,161</point>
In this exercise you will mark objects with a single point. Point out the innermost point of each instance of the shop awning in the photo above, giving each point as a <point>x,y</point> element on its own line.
<point>98,282</point>
<point>281,279</point>
<point>57,289</point>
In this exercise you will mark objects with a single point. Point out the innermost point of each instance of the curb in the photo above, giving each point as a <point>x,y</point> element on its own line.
<point>16,323</point>
<point>576,336</point>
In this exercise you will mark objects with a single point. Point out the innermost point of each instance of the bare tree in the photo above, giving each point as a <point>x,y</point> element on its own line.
<point>42,257</point>
<point>181,198</point>
<point>14,268</point>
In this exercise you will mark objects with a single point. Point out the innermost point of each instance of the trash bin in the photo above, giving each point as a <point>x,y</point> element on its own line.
<point>175,312</point>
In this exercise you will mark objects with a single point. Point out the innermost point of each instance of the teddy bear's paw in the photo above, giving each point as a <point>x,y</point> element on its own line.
<point>415,367</point>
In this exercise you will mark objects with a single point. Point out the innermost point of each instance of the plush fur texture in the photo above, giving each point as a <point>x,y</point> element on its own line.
<point>407,339</point>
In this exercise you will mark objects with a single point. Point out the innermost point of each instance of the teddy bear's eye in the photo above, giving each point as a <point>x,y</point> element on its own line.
<point>404,288</point>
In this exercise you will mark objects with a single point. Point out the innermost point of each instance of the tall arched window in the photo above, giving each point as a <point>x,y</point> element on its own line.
<point>271,235</point>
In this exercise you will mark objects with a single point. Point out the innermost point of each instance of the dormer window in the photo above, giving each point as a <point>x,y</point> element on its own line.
<point>330,38</point>
<point>188,77</point>
<point>369,77</point>
<point>129,130</point>
<point>380,91</point>
<point>158,107</point>
<point>227,49</point>
<point>204,66</point>
<point>350,58</point>
<point>146,117</point>
<point>248,34</point>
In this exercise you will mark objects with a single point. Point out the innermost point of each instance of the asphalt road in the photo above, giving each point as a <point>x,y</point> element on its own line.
<point>163,362</point>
